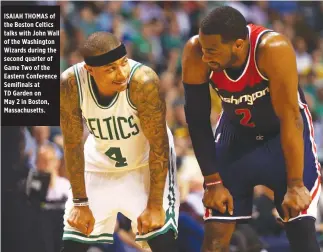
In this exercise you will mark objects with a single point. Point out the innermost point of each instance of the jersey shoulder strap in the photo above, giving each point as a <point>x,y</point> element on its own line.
<point>134,66</point>
<point>81,80</point>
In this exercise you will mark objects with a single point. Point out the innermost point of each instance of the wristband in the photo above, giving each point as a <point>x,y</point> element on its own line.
<point>213,183</point>
<point>80,200</point>
<point>81,204</point>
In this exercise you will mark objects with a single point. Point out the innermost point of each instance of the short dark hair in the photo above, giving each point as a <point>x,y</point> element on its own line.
<point>98,43</point>
<point>227,22</point>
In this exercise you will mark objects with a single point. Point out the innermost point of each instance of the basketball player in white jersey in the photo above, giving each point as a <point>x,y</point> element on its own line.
<point>127,163</point>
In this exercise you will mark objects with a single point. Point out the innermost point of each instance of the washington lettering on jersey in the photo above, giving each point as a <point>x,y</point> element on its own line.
<point>248,98</point>
<point>113,127</point>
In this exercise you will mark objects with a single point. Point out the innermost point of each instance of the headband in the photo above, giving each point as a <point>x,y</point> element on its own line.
<point>106,58</point>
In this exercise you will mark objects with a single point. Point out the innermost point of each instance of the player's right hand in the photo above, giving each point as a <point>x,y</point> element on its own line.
<point>82,219</point>
<point>219,198</point>
<point>297,199</point>
<point>151,219</point>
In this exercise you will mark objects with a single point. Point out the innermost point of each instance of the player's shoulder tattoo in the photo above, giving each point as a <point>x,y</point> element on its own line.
<point>145,88</point>
<point>149,101</point>
<point>70,112</point>
<point>68,86</point>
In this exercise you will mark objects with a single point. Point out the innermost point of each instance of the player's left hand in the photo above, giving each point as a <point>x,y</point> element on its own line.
<point>150,219</point>
<point>297,199</point>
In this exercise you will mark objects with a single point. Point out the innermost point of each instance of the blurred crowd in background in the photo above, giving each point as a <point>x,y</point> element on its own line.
<point>154,34</point>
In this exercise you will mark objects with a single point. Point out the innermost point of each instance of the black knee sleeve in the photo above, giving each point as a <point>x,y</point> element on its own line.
<point>301,234</point>
<point>164,242</point>
<point>73,246</point>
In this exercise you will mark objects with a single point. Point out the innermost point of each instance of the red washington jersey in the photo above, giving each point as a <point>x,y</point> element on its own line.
<point>246,100</point>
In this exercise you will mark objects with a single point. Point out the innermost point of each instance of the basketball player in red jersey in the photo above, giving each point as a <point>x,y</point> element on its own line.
<point>264,134</point>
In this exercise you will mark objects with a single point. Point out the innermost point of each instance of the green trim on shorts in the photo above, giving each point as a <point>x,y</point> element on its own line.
<point>169,226</point>
<point>91,236</point>
<point>88,242</point>
<point>170,213</point>
<point>87,239</point>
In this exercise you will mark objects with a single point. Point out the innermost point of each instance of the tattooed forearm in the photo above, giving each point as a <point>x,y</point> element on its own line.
<point>152,110</point>
<point>72,129</point>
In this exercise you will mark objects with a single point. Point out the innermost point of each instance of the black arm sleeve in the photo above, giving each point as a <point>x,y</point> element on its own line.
<point>197,112</point>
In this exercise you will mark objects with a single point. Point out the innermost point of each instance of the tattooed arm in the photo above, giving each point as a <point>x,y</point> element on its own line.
<point>72,129</point>
<point>145,94</point>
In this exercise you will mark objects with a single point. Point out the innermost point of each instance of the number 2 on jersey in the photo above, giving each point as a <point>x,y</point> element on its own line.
<point>115,154</point>
<point>245,120</point>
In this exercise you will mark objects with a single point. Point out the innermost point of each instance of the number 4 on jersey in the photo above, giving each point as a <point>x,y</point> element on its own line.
<point>115,154</point>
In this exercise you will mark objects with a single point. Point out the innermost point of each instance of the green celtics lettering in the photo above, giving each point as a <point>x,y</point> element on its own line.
<point>112,128</point>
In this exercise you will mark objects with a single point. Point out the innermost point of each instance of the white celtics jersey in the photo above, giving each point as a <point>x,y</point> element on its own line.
<point>116,141</point>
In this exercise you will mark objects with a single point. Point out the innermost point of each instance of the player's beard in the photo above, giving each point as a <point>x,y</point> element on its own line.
<point>233,59</point>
